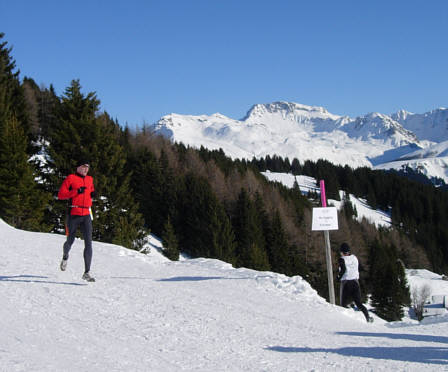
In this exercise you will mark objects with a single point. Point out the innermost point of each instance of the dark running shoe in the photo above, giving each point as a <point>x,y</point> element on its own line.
<point>87,277</point>
<point>63,265</point>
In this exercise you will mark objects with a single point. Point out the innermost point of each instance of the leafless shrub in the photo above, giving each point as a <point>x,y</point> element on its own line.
<point>419,297</point>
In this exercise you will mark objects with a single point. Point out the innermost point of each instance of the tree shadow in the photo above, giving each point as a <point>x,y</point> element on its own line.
<point>429,355</point>
<point>130,277</point>
<point>200,278</point>
<point>191,278</point>
<point>35,279</point>
<point>399,336</point>
<point>180,278</point>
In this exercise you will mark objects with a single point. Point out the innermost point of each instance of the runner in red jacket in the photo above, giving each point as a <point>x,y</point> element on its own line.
<point>79,189</point>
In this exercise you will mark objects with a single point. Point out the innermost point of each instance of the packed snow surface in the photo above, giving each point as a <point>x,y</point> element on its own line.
<point>146,313</point>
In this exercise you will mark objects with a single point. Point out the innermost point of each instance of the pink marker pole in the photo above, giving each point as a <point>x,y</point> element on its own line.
<point>322,193</point>
<point>327,248</point>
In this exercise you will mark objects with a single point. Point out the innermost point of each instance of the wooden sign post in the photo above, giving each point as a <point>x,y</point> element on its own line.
<point>326,219</point>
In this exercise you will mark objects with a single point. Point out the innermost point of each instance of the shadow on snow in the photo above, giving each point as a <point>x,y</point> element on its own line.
<point>34,279</point>
<point>181,278</point>
<point>202,278</point>
<point>399,336</point>
<point>419,354</point>
<point>193,278</point>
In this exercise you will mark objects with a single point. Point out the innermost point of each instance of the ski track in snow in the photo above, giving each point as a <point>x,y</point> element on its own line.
<point>146,313</point>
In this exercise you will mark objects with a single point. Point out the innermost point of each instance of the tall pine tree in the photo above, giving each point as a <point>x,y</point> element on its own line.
<point>12,98</point>
<point>170,243</point>
<point>278,247</point>
<point>22,202</point>
<point>118,219</point>
<point>251,244</point>
<point>80,131</point>
<point>390,292</point>
<point>223,238</point>
<point>201,220</point>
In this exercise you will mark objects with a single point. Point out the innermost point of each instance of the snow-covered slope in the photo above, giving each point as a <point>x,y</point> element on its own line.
<point>431,161</point>
<point>306,184</point>
<point>310,133</point>
<point>309,184</point>
<point>146,313</point>
<point>431,126</point>
<point>379,127</point>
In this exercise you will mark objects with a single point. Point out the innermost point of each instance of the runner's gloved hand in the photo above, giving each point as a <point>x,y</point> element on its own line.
<point>81,190</point>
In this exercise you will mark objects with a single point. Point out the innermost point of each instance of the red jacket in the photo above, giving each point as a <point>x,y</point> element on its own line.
<point>80,203</point>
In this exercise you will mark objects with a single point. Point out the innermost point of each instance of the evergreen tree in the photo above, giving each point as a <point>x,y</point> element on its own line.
<point>296,168</point>
<point>22,202</point>
<point>251,250</point>
<point>223,237</point>
<point>48,103</point>
<point>65,140</point>
<point>169,193</point>
<point>404,295</point>
<point>79,131</point>
<point>348,207</point>
<point>170,243</point>
<point>390,292</point>
<point>73,133</point>
<point>118,218</point>
<point>148,186</point>
<point>155,187</point>
<point>199,215</point>
<point>371,198</point>
<point>12,98</point>
<point>278,247</point>
<point>275,239</point>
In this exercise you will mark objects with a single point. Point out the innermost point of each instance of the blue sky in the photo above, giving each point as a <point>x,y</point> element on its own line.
<point>146,59</point>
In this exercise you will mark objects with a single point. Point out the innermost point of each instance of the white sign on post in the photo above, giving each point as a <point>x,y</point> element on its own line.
<point>325,219</point>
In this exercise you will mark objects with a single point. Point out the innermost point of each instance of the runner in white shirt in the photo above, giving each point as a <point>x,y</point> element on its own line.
<point>349,275</point>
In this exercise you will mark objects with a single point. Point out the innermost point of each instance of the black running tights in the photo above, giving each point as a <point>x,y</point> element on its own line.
<point>85,223</point>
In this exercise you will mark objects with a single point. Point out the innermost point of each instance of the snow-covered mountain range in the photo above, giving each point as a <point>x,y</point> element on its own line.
<point>293,130</point>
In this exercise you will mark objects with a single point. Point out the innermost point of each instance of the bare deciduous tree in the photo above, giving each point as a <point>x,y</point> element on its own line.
<point>419,297</point>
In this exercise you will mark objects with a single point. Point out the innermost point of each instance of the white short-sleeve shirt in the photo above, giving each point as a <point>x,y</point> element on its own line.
<point>351,268</point>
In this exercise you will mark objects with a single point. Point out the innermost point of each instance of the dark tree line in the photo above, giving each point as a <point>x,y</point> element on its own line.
<point>181,203</point>
<point>418,208</point>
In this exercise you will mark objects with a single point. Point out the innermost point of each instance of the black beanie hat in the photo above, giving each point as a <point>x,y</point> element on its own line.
<point>345,248</point>
<point>82,162</point>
